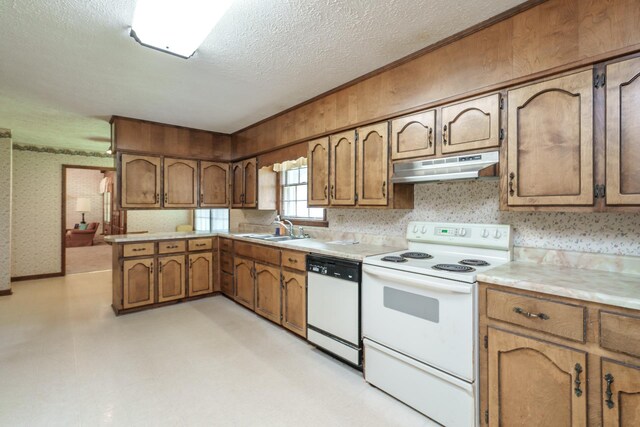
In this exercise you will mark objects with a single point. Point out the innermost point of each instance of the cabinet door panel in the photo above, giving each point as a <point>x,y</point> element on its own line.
<point>250,172</point>
<point>171,278</point>
<point>623,133</point>
<point>138,283</point>
<point>471,125</point>
<point>140,181</point>
<point>318,156</point>
<point>226,284</point>
<point>343,169</point>
<point>413,136</point>
<point>214,184</point>
<point>180,183</point>
<point>532,382</point>
<point>244,289</point>
<point>294,302</point>
<point>622,408</point>
<point>200,273</point>
<point>373,164</point>
<point>238,185</point>
<point>550,151</point>
<point>268,292</point>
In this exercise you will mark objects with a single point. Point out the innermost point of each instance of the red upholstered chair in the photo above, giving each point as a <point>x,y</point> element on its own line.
<point>77,237</point>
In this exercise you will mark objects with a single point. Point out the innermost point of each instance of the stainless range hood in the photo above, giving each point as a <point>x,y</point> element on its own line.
<point>469,166</point>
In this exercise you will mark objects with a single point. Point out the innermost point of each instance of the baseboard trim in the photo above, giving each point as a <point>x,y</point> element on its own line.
<point>5,292</point>
<point>36,277</point>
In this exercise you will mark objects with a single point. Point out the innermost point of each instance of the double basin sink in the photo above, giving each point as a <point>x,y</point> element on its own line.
<point>269,237</point>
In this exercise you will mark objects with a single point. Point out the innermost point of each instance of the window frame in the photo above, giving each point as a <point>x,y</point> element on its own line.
<point>298,221</point>
<point>193,217</point>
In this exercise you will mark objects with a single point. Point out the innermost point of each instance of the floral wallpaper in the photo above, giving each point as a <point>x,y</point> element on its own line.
<point>5,210</point>
<point>36,215</point>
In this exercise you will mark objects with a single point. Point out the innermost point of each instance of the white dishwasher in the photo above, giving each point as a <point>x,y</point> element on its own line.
<point>333,307</point>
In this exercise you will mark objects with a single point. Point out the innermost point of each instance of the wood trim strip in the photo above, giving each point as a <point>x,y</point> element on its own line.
<point>36,277</point>
<point>5,292</point>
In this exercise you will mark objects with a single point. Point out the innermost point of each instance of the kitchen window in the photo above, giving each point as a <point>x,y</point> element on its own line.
<point>293,196</point>
<point>211,219</point>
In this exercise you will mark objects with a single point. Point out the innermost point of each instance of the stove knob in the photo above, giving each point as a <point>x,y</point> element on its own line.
<point>424,230</point>
<point>463,232</point>
<point>497,234</point>
<point>485,233</point>
<point>415,229</point>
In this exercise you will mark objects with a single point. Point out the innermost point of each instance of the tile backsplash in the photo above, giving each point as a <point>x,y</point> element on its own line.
<point>477,202</point>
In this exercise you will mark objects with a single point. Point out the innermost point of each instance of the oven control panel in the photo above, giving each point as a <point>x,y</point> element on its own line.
<point>493,236</point>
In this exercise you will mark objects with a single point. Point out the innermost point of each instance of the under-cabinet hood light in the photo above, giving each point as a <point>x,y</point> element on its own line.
<point>176,26</point>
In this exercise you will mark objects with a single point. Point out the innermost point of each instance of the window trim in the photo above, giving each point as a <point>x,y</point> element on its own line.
<point>298,221</point>
<point>193,217</point>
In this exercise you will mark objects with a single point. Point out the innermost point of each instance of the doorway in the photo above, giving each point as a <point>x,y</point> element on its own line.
<point>88,214</point>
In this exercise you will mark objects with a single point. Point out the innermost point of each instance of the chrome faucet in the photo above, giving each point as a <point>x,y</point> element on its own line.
<point>282,222</point>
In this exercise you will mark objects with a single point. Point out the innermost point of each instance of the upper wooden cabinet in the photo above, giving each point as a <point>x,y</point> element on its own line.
<point>535,383</point>
<point>550,148</point>
<point>140,181</point>
<point>318,161</point>
<point>214,185</point>
<point>413,136</point>
<point>373,165</point>
<point>471,125</point>
<point>180,183</point>
<point>623,133</point>
<point>620,394</point>
<point>244,176</point>
<point>343,168</point>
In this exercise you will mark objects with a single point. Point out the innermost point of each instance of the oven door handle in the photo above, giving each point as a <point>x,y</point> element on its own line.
<point>453,288</point>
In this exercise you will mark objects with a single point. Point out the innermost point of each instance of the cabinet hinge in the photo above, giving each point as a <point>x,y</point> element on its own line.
<point>600,81</point>
<point>502,103</point>
<point>486,341</point>
<point>486,416</point>
<point>599,191</point>
<point>501,134</point>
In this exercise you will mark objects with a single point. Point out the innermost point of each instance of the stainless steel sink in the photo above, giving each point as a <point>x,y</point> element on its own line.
<point>278,238</point>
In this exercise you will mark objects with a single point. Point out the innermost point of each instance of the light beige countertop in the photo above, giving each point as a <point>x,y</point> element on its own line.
<point>604,287</point>
<point>349,251</point>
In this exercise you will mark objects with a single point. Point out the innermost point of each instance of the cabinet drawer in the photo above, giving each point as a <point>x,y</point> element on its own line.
<point>226,284</point>
<point>258,252</point>
<point>226,245</point>
<point>137,249</point>
<point>556,318</point>
<point>294,260</point>
<point>226,263</point>
<point>620,332</point>
<point>171,247</point>
<point>200,244</point>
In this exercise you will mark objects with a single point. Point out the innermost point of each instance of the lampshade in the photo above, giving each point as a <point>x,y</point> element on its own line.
<point>83,205</point>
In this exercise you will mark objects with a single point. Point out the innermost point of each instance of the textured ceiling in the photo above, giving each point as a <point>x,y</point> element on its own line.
<point>66,66</point>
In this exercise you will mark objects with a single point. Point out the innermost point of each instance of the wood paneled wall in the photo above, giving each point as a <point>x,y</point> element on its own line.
<point>554,36</point>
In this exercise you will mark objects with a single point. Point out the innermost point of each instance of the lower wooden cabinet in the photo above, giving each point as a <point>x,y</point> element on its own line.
<point>138,283</point>
<point>621,394</point>
<point>294,302</point>
<point>171,278</point>
<point>244,291</point>
<point>226,284</point>
<point>267,292</point>
<point>535,383</point>
<point>201,269</point>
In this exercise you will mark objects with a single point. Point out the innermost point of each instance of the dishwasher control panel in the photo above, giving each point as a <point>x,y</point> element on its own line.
<point>334,267</point>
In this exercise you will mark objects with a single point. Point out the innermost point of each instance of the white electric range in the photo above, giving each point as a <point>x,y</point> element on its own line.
<point>420,319</point>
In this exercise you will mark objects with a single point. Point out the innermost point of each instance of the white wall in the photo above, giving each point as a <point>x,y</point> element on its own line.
<point>477,202</point>
<point>84,183</point>
<point>5,209</point>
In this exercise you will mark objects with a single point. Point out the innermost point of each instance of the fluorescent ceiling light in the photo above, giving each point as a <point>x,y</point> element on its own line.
<point>176,26</point>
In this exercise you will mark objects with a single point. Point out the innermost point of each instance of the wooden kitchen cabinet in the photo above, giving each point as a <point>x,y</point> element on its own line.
<point>237,185</point>
<point>342,173</point>
<point>550,148</point>
<point>138,283</point>
<point>244,177</point>
<point>214,185</point>
<point>180,183</point>
<point>201,273</point>
<point>294,302</point>
<point>620,394</point>
<point>413,136</point>
<point>471,125</point>
<point>140,181</point>
<point>171,278</point>
<point>244,292</point>
<point>373,165</point>
<point>623,133</point>
<point>318,161</point>
<point>535,383</point>
<point>267,292</point>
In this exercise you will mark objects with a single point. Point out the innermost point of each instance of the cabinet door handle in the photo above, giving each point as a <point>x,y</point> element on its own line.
<point>190,263</point>
<point>201,197</point>
<point>160,267</point>
<point>333,192</point>
<point>430,137</point>
<point>384,189</point>
<point>151,268</point>
<point>540,316</point>
<point>166,198</point>
<point>512,176</point>
<point>444,135</point>
<point>325,191</point>
<point>577,382</point>
<point>157,198</point>
<point>609,401</point>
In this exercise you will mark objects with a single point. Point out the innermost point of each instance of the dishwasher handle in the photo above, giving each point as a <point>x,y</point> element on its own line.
<point>417,283</point>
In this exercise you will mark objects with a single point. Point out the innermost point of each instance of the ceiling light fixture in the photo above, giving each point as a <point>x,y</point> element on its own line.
<point>176,26</point>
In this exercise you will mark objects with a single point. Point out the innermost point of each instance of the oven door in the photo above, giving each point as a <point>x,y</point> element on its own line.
<point>426,318</point>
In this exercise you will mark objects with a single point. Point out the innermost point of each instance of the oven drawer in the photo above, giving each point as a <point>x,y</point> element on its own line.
<point>553,317</point>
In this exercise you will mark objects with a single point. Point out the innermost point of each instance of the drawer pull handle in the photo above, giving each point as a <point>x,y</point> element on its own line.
<point>172,247</point>
<point>577,381</point>
<point>540,316</point>
<point>609,401</point>
<point>139,249</point>
<point>200,245</point>
<point>293,260</point>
